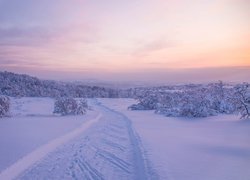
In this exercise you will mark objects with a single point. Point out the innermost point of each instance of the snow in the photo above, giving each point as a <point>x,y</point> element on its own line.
<point>109,149</point>
<point>179,148</point>
<point>32,125</point>
<point>120,144</point>
<point>32,106</point>
<point>14,170</point>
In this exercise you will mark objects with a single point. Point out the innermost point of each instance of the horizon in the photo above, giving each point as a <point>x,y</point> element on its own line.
<point>136,83</point>
<point>127,41</point>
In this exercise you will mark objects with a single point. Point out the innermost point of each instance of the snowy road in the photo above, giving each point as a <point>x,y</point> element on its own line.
<point>109,149</point>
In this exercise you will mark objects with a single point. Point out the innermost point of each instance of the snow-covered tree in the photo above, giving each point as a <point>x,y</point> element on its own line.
<point>187,100</point>
<point>195,104</point>
<point>70,106</point>
<point>82,106</point>
<point>4,105</point>
<point>23,85</point>
<point>242,99</point>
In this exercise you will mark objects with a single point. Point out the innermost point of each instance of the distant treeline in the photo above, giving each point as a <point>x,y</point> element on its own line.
<point>190,100</point>
<point>21,85</point>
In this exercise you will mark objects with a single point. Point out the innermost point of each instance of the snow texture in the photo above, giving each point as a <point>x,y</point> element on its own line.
<point>121,144</point>
<point>18,167</point>
<point>108,150</point>
<point>31,125</point>
<point>215,147</point>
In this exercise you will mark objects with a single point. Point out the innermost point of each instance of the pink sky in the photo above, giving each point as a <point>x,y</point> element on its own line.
<point>113,39</point>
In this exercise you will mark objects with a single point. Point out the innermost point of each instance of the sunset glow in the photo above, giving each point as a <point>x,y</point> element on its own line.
<point>99,39</point>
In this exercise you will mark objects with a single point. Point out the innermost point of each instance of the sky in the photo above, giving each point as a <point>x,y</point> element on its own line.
<point>127,40</point>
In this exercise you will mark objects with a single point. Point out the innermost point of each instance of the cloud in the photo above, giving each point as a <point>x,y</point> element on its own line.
<point>6,63</point>
<point>38,35</point>
<point>24,36</point>
<point>187,75</point>
<point>145,48</point>
<point>42,12</point>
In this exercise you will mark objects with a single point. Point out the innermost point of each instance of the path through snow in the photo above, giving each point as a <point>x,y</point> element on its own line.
<point>109,149</point>
<point>27,161</point>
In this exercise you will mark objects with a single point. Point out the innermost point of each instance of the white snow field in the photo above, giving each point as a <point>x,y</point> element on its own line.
<point>31,125</point>
<point>214,148</point>
<point>112,142</point>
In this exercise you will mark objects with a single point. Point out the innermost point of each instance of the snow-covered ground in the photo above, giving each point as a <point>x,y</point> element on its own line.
<point>109,148</point>
<point>32,125</point>
<point>215,148</point>
<point>111,142</point>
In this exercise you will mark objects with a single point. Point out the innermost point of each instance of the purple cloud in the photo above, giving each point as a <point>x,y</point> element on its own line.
<point>145,48</point>
<point>24,36</point>
<point>39,36</point>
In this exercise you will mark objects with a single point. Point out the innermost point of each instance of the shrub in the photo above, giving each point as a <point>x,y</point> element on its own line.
<point>82,105</point>
<point>195,101</point>
<point>70,106</point>
<point>4,105</point>
<point>242,100</point>
<point>136,107</point>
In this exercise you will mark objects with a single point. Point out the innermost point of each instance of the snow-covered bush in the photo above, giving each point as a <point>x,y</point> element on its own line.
<point>4,105</point>
<point>186,104</point>
<point>195,104</point>
<point>138,106</point>
<point>220,98</point>
<point>149,103</point>
<point>188,100</point>
<point>82,106</point>
<point>70,106</point>
<point>242,99</point>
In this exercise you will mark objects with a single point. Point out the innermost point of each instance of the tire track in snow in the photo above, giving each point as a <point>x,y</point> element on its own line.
<point>21,165</point>
<point>108,150</point>
<point>140,163</point>
<point>114,160</point>
<point>114,144</point>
